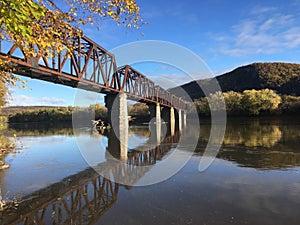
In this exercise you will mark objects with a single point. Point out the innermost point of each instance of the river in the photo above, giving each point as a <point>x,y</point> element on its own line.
<point>254,179</point>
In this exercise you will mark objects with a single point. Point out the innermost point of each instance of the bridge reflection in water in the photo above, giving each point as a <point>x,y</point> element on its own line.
<point>82,198</point>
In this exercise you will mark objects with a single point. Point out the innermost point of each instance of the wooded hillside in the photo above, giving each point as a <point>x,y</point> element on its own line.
<point>281,77</point>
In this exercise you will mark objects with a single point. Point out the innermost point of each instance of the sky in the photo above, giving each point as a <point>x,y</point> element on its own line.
<point>224,34</point>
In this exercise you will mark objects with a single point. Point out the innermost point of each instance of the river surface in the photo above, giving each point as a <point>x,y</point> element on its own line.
<point>254,179</point>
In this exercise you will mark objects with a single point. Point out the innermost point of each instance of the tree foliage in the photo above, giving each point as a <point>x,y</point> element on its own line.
<point>290,105</point>
<point>42,23</point>
<point>233,101</point>
<point>202,106</point>
<point>256,101</point>
<point>2,94</point>
<point>46,25</point>
<point>57,114</point>
<point>139,110</point>
<point>250,102</point>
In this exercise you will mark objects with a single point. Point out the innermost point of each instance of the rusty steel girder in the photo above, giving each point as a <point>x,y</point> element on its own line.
<point>90,67</point>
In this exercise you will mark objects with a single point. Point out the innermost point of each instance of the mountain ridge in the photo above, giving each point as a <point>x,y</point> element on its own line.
<point>282,77</point>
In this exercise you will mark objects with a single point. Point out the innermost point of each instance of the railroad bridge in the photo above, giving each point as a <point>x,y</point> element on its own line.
<point>91,67</point>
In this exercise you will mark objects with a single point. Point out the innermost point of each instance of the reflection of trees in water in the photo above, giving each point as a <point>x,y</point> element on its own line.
<point>140,130</point>
<point>46,129</point>
<point>261,158</point>
<point>253,135</point>
<point>40,129</point>
<point>262,144</point>
<point>249,134</point>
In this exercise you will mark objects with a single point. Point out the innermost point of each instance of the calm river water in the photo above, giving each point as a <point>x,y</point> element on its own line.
<point>255,178</point>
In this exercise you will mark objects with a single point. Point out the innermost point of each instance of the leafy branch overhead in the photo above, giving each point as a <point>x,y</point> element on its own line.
<point>52,26</point>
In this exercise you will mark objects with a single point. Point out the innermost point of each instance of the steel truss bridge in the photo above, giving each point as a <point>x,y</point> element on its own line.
<point>90,67</point>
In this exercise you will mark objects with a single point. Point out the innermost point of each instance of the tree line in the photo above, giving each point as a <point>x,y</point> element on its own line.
<point>58,114</point>
<point>65,114</point>
<point>249,103</point>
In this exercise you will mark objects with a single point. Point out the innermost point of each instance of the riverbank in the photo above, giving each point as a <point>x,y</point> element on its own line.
<point>6,144</point>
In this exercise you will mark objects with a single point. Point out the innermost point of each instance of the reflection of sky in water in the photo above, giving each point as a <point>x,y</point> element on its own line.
<point>49,159</point>
<point>92,148</point>
<point>223,194</point>
<point>44,160</point>
<point>136,141</point>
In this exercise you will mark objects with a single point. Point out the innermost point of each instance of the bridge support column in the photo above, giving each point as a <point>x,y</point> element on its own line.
<point>184,118</point>
<point>172,121</point>
<point>118,119</point>
<point>168,115</point>
<point>155,112</point>
<point>180,119</point>
<point>117,148</point>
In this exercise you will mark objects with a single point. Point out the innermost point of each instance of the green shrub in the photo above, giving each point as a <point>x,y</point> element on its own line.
<point>256,101</point>
<point>233,103</point>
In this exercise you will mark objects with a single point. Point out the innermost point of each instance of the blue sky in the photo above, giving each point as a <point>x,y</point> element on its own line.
<point>225,34</point>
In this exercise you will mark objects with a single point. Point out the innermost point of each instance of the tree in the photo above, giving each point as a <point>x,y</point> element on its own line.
<point>216,101</point>
<point>139,110</point>
<point>2,94</point>
<point>233,102</point>
<point>202,106</point>
<point>47,25</point>
<point>43,23</point>
<point>256,101</point>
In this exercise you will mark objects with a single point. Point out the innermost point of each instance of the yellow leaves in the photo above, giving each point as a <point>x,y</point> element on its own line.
<point>122,11</point>
<point>35,28</point>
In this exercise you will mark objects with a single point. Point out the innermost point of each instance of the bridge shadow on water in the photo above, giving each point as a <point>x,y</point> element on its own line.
<point>82,198</point>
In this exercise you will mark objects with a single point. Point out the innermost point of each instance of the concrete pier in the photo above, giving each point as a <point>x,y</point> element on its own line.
<point>155,112</point>
<point>116,148</point>
<point>172,121</point>
<point>184,118</point>
<point>118,118</point>
<point>180,119</point>
<point>168,115</point>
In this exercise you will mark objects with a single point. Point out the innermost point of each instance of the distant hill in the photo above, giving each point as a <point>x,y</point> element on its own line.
<point>14,109</point>
<point>282,77</point>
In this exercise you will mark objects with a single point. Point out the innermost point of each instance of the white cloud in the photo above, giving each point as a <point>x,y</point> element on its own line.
<point>262,9</point>
<point>170,80</point>
<point>24,100</point>
<point>267,33</point>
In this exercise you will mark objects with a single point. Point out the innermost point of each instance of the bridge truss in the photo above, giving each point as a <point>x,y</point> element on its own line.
<point>90,67</point>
